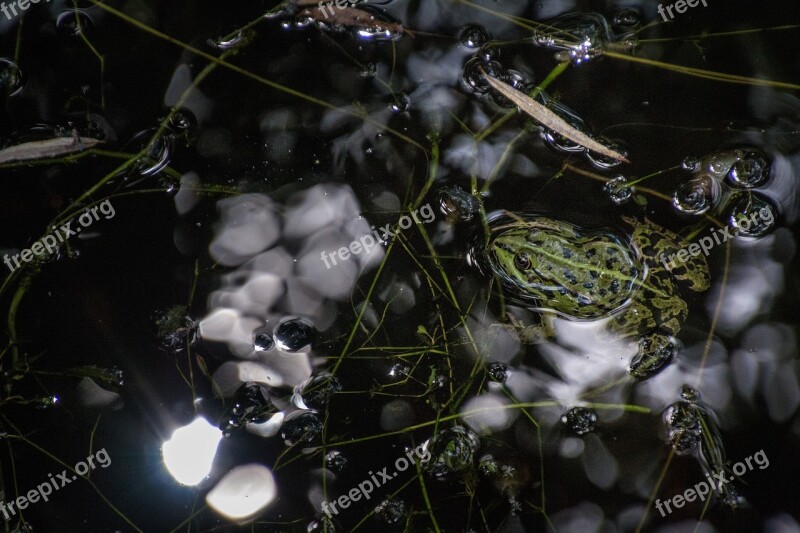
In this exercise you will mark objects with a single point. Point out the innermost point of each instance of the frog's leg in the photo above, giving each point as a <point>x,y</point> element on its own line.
<point>655,305</point>
<point>659,248</point>
<point>535,334</point>
<point>656,351</point>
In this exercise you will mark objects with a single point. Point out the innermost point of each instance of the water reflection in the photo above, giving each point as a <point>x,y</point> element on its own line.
<point>190,452</point>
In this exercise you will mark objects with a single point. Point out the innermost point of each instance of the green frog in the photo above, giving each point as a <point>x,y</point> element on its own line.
<point>558,268</point>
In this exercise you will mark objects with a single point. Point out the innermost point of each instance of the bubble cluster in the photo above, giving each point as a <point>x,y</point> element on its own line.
<point>580,420</point>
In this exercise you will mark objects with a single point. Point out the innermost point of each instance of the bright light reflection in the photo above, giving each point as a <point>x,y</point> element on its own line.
<point>188,455</point>
<point>243,492</point>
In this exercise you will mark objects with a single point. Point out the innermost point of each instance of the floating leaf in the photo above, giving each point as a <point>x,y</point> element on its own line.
<point>551,120</point>
<point>57,147</point>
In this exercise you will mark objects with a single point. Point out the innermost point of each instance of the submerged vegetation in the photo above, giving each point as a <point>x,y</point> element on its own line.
<point>559,377</point>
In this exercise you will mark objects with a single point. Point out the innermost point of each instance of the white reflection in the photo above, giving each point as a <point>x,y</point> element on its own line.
<point>189,453</point>
<point>243,492</point>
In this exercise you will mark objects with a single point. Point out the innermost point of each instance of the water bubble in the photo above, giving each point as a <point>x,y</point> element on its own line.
<point>46,402</point>
<point>752,216</point>
<point>489,52</point>
<point>473,78</point>
<point>335,461</point>
<point>399,370</point>
<point>690,163</point>
<point>473,36</point>
<point>73,22</point>
<point>228,41</point>
<point>391,511</point>
<point>558,141</point>
<point>655,352</point>
<point>294,334</point>
<point>618,190</point>
<point>514,79</point>
<point>498,372</point>
<point>323,525</point>
<point>689,394</point>
<point>580,420</point>
<point>10,77</point>
<point>303,429</point>
<point>452,450</point>
<point>720,163</point>
<point>317,391</point>
<point>400,103</point>
<point>368,71</point>
<point>577,38</point>
<point>606,162</point>
<point>697,195</point>
<point>157,154</point>
<point>456,203</point>
<point>627,18</point>
<point>183,120</point>
<point>262,340</point>
<point>175,329</point>
<point>751,170</point>
<point>250,404</point>
<point>683,427</point>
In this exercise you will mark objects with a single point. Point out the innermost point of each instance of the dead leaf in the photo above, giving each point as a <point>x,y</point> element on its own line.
<point>549,119</point>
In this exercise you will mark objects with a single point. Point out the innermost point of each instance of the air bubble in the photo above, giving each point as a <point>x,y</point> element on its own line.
<point>690,163</point>
<point>498,372</point>
<point>304,429</point>
<point>456,203</point>
<point>752,217</point>
<point>262,340</point>
<point>368,71</point>
<point>452,450</point>
<point>489,52</point>
<point>10,77</point>
<point>473,36</point>
<point>228,41</point>
<point>293,335</point>
<point>183,120</point>
<point>392,511</point>
<point>751,170</point>
<point>473,78</point>
<point>604,162</point>
<point>618,190</point>
<point>627,18</point>
<point>400,103</point>
<point>697,195</point>
<point>580,420</point>
<point>73,22</point>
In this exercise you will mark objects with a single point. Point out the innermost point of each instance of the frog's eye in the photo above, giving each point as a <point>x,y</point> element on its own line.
<point>522,261</point>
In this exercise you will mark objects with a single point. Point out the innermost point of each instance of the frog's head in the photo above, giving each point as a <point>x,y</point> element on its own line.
<point>514,256</point>
<point>518,261</point>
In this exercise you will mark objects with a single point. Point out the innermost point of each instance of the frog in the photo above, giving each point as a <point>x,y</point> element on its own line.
<point>557,268</point>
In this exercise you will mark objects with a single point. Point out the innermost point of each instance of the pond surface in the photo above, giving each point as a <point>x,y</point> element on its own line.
<point>305,267</point>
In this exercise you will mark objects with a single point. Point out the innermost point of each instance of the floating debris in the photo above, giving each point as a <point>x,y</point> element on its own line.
<point>50,148</point>
<point>550,119</point>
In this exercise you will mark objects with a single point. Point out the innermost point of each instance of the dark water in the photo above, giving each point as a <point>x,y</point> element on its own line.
<point>199,288</point>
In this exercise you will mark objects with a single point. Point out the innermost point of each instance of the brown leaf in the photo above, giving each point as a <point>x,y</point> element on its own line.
<point>551,120</point>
